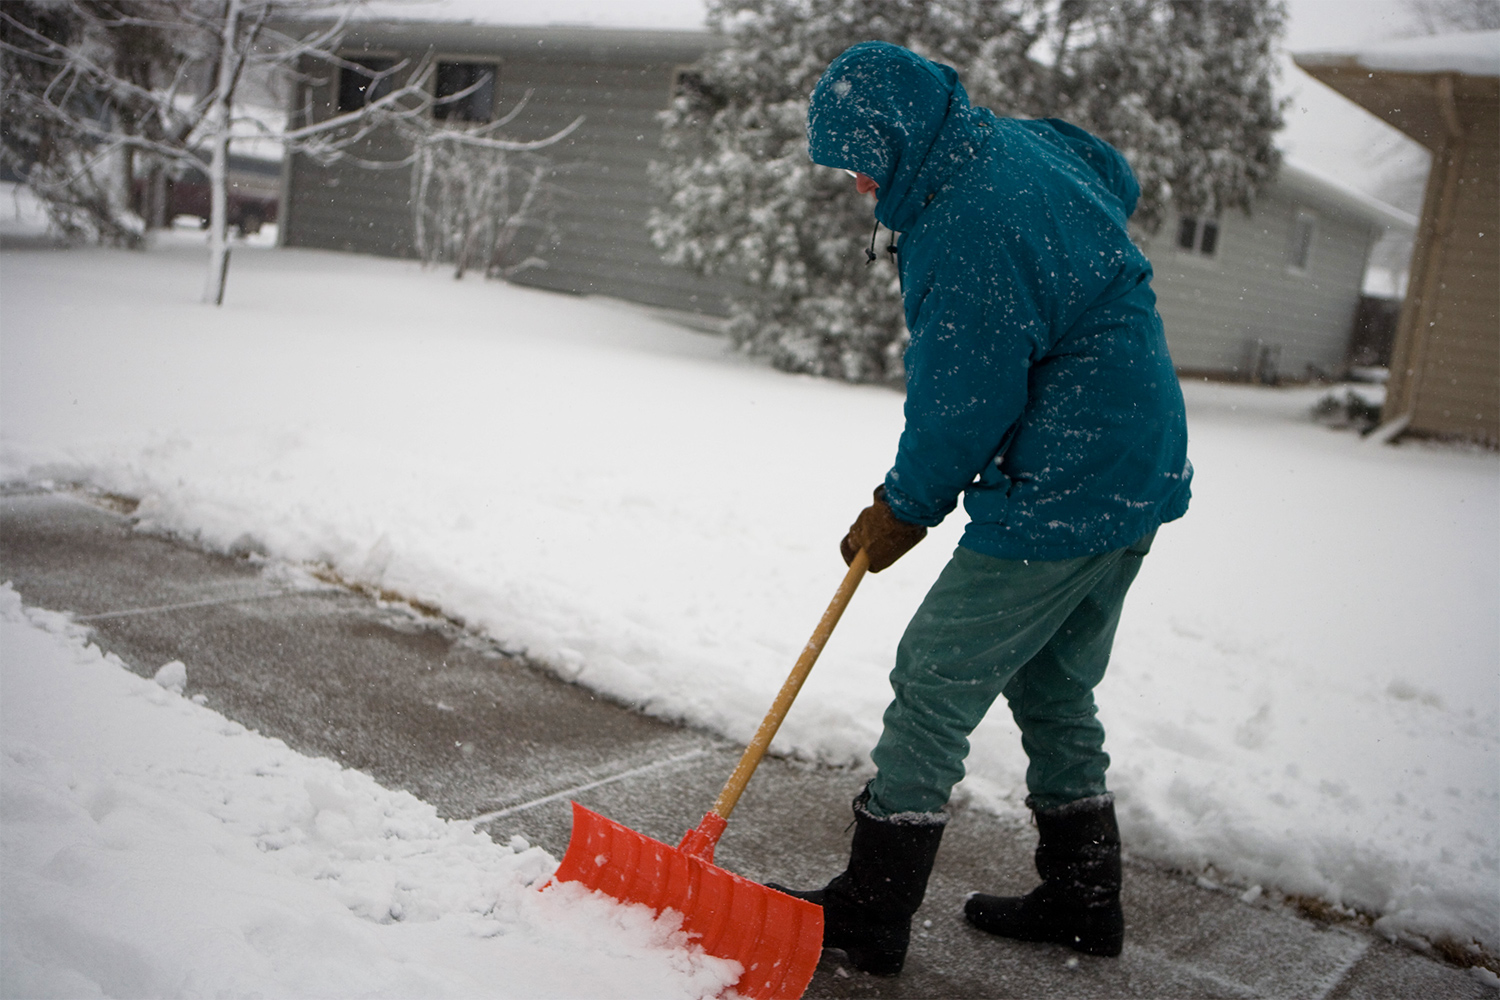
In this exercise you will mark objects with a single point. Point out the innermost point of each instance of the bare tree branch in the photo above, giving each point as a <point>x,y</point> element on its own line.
<point>95,90</point>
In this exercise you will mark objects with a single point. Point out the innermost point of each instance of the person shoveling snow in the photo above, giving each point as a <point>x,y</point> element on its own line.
<point>1039,386</point>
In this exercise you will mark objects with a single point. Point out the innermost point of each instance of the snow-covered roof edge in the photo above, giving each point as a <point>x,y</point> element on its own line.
<point>1472,53</point>
<point>1350,198</point>
<point>660,15</point>
<point>556,40</point>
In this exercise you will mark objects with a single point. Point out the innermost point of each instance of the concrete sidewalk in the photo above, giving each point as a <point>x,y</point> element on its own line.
<point>481,734</point>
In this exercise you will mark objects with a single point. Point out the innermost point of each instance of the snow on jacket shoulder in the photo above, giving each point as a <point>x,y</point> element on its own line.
<point>1039,386</point>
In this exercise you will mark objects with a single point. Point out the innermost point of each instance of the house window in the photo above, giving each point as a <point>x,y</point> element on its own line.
<point>1200,235</point>
<point>694,94</point>
<point>689,83</point>
<point>361,82</point>
<point>1187,233</point>
<point>1208,239</point>
<point>465,92</point>
<point>1304,230</point>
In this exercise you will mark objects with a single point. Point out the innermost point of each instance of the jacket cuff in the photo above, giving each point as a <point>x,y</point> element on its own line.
<point>906,509</point>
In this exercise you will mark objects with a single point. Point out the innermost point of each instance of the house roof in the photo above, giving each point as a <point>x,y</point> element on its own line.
<point>1337,195</point>
<point>1472,53</point>
<point>561,41</point>
<point>657,14</point>
<point>1426,87</point>
<point>456,26</point>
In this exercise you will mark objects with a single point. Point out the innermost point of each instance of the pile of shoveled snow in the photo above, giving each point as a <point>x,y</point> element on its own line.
<point>154,848</point>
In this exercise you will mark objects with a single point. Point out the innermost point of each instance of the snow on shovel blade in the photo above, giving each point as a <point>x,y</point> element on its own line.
<point>776,938</point>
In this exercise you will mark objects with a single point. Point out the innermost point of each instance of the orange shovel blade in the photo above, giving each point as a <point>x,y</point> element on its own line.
<point>777,938</point>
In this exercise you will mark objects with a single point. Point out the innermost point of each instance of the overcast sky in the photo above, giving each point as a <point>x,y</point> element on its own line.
<point>1324,131</point>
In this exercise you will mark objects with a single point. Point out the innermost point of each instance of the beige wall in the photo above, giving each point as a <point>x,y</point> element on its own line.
<point>1446,369</point>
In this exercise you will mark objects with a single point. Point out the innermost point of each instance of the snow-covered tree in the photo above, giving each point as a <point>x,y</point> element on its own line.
<point>1184,89</point>
<point>83,184</point>
<point>94,87</point>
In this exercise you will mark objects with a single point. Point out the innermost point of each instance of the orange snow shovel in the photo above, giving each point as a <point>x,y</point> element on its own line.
<point>776,937</point>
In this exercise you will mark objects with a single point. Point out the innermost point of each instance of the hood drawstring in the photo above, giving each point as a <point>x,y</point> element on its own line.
<point>870,254</point>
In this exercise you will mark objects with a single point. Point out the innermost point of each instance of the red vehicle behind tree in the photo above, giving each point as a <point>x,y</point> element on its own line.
<point>254,195</point>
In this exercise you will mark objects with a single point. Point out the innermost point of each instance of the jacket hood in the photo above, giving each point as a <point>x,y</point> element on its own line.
<point>903,120</point>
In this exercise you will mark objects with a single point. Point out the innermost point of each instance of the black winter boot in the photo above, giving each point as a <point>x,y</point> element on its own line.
<point>867,910</point>
<point>1078,902</point>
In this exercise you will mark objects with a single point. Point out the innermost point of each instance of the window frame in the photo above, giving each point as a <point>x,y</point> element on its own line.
<point>683,73</point>
<point>364,58</point>
<point>1208,238</point>
<point>1198,236</point>
<point>1187,233</point>
<point>444,112</point>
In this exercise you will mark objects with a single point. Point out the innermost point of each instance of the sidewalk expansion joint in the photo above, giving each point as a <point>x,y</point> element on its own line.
<point>206,603</point>
<point>1340,972</point>
<point>633,772</point>
<point>1230,986</point>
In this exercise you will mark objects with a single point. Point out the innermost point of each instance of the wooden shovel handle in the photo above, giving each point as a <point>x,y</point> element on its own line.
<point>750,760</point>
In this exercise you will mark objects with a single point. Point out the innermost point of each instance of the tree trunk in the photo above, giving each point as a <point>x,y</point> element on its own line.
<point>218,171</point>
<point>156,198</point>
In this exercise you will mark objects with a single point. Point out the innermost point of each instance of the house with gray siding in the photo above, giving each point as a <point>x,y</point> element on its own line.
<point>1263,296</point>
<point>1271,294</point>
<point>616,80</point>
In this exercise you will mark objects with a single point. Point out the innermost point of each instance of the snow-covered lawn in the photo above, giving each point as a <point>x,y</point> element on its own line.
<point>1305,693</point>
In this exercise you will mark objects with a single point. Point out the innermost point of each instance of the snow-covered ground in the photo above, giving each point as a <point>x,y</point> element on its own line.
<point>1305,693</point>
<point>154,848</point>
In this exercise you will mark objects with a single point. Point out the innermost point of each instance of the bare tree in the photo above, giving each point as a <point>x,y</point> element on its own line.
<point>480,199</point>
<point>1437,17</point>
<point>48,96</point>
<point>92,85</point>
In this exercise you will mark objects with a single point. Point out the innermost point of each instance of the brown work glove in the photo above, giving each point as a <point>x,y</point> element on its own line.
<point>881,533</point>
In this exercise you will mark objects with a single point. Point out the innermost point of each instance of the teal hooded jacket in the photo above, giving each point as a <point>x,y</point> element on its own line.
<point>1038,383</point>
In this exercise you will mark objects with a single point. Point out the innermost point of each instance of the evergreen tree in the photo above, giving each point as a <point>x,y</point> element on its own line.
<point>1182,88</point>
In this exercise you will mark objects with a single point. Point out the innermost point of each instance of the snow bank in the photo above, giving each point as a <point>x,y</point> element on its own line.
<point>21,212</point>
<point>1304,692</point>
<point>154,848</point>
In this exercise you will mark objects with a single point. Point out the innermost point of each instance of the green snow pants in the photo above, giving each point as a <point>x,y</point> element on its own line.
<point>1038,632</point>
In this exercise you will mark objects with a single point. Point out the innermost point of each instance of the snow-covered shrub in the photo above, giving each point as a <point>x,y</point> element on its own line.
<point>1357,409</point>
<point>1184,90</point>
<point>480,207</point>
